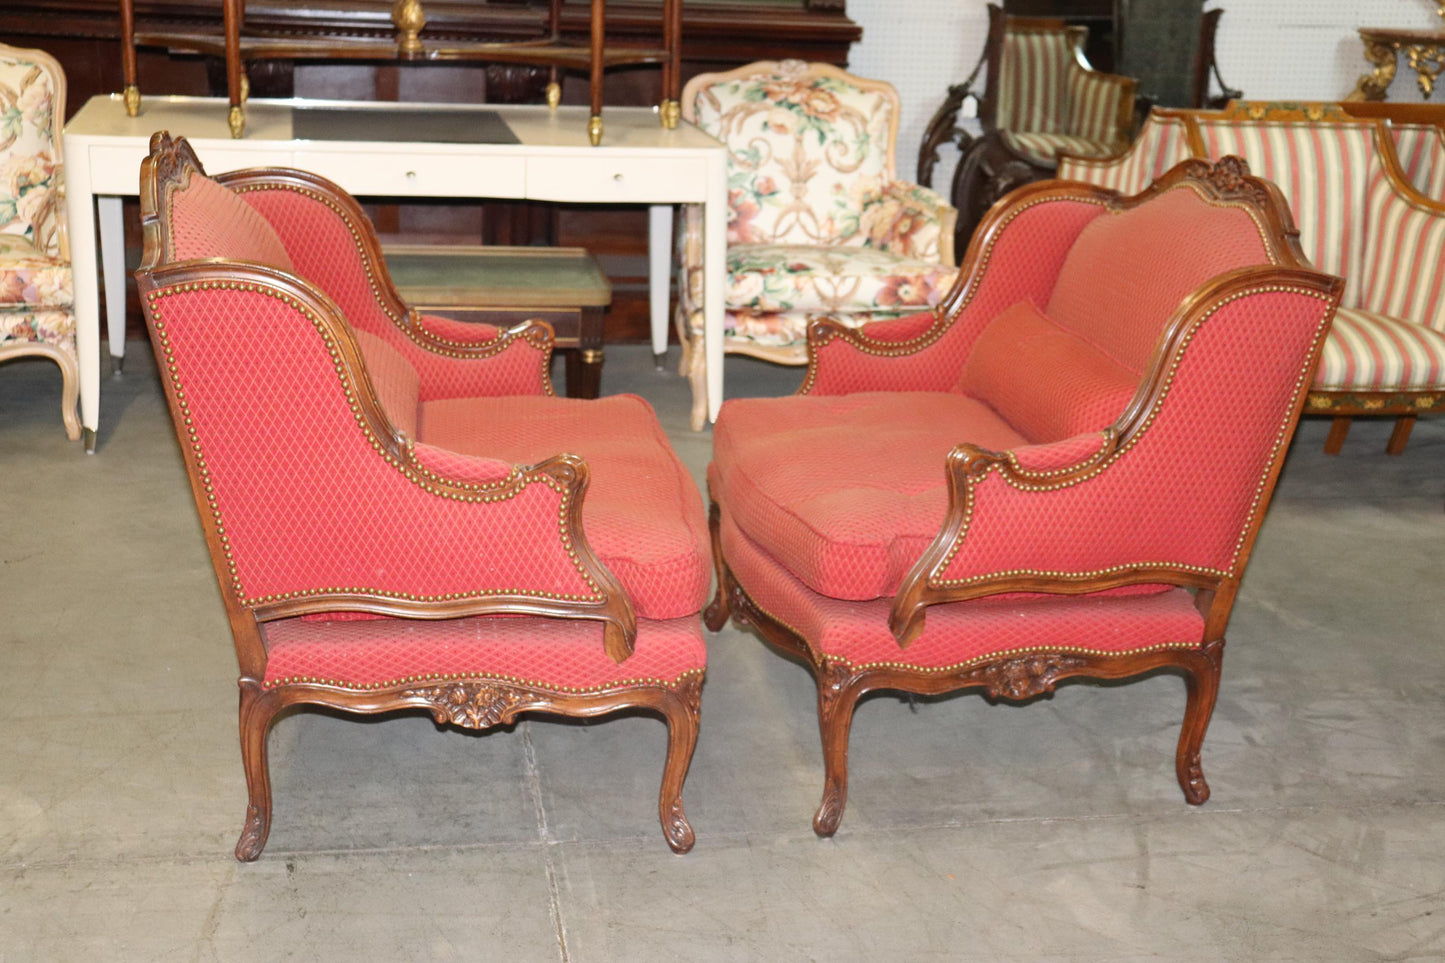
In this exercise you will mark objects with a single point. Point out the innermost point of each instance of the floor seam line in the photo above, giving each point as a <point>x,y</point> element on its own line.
<point>544,836</point>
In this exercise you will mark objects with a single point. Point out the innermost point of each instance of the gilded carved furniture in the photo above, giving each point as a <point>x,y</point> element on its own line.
<point>1042,99</point>
<point>1058,473</point>
<point>36,318</point>
<point>409,19</point>
<point>400,512</point>
<point>818,225</point>
<point>1424,53</point>
<point>1359,216</point>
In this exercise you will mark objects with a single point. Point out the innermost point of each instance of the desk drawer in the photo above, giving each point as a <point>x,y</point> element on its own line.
<point>116,170</point>
<point>620,179</point>
<point>418,175</point>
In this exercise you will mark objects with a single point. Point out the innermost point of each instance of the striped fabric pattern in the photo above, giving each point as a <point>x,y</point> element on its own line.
<point>1366,351</point>
<point>1162,143</point>
<point>1033,87</point>
<point>1094,106</point>
<point>1324,171</point>
<point>1403,269</point>
<point>1043,148</point>
<point>1422,156</point>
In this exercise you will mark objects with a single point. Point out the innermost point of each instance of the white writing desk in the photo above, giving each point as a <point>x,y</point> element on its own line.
<point>638,162</point>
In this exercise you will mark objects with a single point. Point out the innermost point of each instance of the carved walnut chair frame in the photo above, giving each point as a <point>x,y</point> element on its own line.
<point>472,703</point>
<point>1023,675</point>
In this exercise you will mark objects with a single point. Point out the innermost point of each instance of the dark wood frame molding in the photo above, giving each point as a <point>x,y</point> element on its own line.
<point>473,702</point>
<point>1023,675</point>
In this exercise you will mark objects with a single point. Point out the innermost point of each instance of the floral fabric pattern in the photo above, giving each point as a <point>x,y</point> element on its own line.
<point>31,278</point>
<point>817,226</point>
<point>30,180</point>
<point>46,327</point>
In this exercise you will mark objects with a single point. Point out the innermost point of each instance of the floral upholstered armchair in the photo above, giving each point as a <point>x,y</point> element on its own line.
<point>1060,474</point>
<point>1043,99</point>
<point>35,279</point>
<point>817,224</point>
<point>400,511</point>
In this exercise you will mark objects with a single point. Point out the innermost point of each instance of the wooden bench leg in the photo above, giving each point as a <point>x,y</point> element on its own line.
<point>1400,435</point>
<point>1339,428</point>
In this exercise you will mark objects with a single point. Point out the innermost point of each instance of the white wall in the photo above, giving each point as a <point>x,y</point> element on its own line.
<point>1270,49</point>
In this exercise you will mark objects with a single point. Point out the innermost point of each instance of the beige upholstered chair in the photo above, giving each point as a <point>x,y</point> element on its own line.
<point>35,279</point>
<point>817,224</point>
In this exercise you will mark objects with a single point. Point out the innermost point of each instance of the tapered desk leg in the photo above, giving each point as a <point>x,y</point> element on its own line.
<point>112,270</point>
<point>80,221</point>
<point>659,265</point>
<point>714,261</point>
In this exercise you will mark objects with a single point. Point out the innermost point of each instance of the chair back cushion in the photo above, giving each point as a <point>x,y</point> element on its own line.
<point>1046,381</point>
<point>1032,88</point>
<point>1117,291</point>
<point>32,102</point>
<point>209,220</point>
<point>808,146</point>
<point>1324,169</point>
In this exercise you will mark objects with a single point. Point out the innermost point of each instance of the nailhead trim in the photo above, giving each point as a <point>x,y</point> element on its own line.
<point>1281,438</point>
<point>426,677</point>
<point>409,325</point>
<point>820,657</point>
<point>485,493</point>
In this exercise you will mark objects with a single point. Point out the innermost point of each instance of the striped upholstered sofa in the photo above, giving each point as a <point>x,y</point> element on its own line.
<point>1042,100</point>
<point>1359,217</point>
<point>1419,134</point>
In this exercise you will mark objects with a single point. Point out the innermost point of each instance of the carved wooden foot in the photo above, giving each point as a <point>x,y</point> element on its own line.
<point>1339,428</point>
<point>682,712</point>
<point>836,698</point>
<point>256,715</point>
<point>1202,683</point>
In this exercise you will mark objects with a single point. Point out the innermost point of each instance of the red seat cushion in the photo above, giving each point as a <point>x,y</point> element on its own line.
<point>642,514</point>
<point>962,632</point>
<point>846,490</point>
<point>561,654</point>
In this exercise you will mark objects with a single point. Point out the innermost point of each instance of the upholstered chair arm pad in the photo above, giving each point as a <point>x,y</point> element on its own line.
<point>456,359</point>
<point>1015,256</point>
<point>1403,252</point>
<point>910,221</point>
<point>1162,142</point>
<point>1162,497</point>
<point>319,504</point>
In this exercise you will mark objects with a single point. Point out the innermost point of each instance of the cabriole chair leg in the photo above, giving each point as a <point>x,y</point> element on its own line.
<point>837,696</point>
<point>1202,686</point>
<point>257,711</point>
<point>682,710</point>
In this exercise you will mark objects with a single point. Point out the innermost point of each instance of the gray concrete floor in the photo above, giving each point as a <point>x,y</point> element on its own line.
<point>1053,830</point>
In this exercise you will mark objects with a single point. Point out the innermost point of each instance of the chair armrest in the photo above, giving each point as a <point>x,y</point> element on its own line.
<point>1015,255</point>
<point>910,221</point>
<point>1172,494</point>
<point>1404,242</point>
<point>1162,143</point>
<point>313,502</point>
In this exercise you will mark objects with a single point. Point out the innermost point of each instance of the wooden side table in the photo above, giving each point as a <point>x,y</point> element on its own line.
<point>504,286</point>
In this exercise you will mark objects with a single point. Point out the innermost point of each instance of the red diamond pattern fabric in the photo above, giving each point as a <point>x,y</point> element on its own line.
<point>641,514</point>
<point>397,386</point>
<point>1021,264</point>
<point>326,252</point>
<point>962,632</point>
<point>1044,380</point>
<point>560,654</point>
<point>1117,291</point>
<point>846,490</point>
<point>305,500</point>
<point>1176,495</point>
<point>208,220</point>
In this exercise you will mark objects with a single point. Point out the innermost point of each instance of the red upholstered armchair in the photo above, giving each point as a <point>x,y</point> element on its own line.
<point>1059,473</point>
<point>400,512</point>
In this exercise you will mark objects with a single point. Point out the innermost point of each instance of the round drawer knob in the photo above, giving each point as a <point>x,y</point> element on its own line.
<point>411,175</point>
<point>617,176</point>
